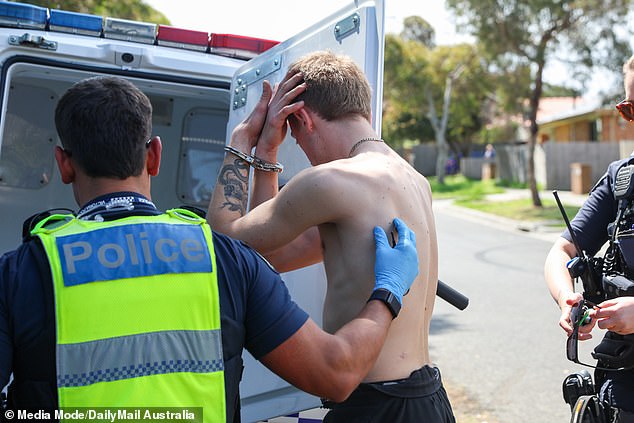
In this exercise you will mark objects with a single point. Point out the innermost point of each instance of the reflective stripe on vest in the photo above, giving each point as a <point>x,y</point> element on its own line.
<point>137,312</point>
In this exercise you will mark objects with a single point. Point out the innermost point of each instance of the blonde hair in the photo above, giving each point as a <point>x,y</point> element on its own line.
<point>335,86</point>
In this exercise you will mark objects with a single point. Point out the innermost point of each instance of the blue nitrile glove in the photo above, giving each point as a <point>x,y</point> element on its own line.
<point>395,268</point>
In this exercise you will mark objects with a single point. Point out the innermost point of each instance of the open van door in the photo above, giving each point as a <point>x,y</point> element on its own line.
<point>356,31</point>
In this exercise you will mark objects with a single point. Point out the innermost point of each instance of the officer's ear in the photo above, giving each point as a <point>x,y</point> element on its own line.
<point>65,165</point>
<point>153,161</point>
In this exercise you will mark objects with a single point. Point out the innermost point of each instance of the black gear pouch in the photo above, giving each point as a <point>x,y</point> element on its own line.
<point>615,351</point>
<point>617,286</point>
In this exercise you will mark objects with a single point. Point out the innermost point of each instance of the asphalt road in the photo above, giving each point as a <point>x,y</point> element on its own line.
<point>506,349</point>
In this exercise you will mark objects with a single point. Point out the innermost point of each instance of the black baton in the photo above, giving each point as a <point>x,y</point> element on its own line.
<point>452,296</point>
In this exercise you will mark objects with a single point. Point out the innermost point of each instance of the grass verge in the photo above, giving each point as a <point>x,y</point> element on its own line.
<point>473,194</point>
<point>460,188</point>
<point>522,209</point>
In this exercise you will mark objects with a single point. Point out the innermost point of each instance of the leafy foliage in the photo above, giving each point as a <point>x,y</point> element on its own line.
<point>418,29</point>
<point>402,120</point>
<point>123,9</point>
<point>415,81</point>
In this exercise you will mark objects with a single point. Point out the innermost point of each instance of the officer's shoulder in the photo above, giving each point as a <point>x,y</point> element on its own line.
<point>240,248</point>
<point>617,164</point>
<point>196,210</point>
<point>31,222</point>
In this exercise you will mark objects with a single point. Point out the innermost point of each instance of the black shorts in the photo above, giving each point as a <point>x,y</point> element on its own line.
<point>617,389</point>
<point>419,398</point>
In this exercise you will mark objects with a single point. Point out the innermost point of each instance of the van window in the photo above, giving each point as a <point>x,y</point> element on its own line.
<point>201,154</point>
<point>29,137</point>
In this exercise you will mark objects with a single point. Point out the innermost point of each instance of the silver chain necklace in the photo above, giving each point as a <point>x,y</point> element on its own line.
<point>361,141</point>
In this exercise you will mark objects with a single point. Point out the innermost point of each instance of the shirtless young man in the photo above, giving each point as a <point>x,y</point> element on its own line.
<point>326,212</point>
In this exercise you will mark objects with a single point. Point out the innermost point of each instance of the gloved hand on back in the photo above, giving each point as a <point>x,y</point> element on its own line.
<point>395,267</point>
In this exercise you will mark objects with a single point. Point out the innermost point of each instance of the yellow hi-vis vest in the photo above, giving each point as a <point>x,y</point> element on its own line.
<point>137,312</point>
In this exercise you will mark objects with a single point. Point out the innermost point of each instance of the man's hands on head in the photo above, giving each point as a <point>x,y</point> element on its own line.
<point>280,107</point>
<point>245,135</point>
<point>395,267</point>
<point>267,125</point>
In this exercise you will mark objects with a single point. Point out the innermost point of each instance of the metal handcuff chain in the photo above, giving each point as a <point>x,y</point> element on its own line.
<point>255,162</point>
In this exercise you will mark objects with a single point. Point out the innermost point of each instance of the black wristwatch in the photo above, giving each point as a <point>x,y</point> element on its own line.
<point>388,298</point>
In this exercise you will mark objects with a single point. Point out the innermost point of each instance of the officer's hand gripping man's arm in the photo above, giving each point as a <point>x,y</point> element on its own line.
<point>332,366</point>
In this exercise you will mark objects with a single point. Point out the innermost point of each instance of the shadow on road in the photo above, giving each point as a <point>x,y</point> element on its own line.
<point>440,323</point>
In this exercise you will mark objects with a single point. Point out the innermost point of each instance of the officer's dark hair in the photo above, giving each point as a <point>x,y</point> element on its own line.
<point>104,123</point>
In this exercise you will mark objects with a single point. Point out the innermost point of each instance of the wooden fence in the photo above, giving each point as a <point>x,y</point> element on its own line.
<point>554,162</point>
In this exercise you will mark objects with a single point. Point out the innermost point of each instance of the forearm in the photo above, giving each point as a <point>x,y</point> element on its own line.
<point>332,366</point>
<point>281,106</point>
<point>556,273</point>
<point>265,184</point>
<point>303,251</point>
<point>229,200</point>
<point>360,342</point>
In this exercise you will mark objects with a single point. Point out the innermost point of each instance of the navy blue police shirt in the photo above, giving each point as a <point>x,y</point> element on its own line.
<point>590,224</point>
<point>256,311</point>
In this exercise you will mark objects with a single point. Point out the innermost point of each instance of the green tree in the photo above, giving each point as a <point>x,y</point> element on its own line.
<point>551,90</point>
<point>530,34</point>
<point>434,94</point>
<point>401,120</point>
<point>458,89</point>
<point>473,94</point>
<point>418,29</point>
<point>124,9</point>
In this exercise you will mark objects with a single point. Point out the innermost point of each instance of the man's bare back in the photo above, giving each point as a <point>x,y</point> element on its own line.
<point>376,186</point>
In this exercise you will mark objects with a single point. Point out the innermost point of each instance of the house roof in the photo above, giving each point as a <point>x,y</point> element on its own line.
<point>557,108</point>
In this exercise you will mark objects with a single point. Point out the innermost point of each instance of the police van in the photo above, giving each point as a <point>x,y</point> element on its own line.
<point>200,84</point>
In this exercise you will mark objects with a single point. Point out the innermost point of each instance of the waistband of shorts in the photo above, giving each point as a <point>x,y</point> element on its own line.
<point>422,382</point>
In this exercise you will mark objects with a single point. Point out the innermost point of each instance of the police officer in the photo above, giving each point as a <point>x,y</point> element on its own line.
<point>125,305</point>
<point>605,216</point>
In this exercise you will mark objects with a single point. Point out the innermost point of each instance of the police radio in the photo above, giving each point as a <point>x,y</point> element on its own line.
<point>588,269</point>
<point>624,184</point>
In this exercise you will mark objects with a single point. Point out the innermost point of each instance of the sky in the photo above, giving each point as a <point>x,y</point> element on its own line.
<point>280,19</point>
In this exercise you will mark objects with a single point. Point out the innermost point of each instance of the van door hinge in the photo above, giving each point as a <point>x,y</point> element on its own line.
<point>347,27</point>
<point>28,40</point>
<point>252,76</point>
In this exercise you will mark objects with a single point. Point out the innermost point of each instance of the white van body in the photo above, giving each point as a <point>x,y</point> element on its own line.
<point>198,97</point>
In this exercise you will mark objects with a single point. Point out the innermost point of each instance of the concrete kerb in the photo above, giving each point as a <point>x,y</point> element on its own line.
<point>543,230</point>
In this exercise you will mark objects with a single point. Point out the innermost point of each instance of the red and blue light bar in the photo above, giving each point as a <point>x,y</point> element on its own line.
<point>182,38</point>
<point>229,43</point>
<point>22,15</point>
<point>75,23</point>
